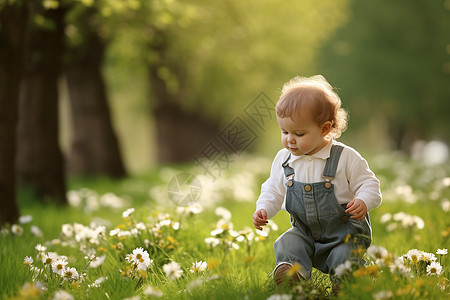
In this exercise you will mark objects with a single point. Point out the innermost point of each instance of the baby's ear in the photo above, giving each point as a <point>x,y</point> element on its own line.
<point>326,128</point>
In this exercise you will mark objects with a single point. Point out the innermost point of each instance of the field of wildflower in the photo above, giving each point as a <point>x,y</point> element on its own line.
<point>127,240</point>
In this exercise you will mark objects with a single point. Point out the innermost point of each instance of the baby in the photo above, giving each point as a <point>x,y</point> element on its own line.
<point>326,186</point>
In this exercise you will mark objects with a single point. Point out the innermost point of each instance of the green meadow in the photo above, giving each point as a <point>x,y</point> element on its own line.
<point>127,240</point>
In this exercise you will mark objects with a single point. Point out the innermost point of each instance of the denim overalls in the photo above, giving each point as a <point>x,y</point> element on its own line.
<point>319,223</point>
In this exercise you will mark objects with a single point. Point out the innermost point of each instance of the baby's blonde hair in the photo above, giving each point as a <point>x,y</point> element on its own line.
<point>316,96</point>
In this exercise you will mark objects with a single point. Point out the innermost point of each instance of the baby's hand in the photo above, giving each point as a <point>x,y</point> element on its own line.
<point>260,218</point>
<point>357,209</point>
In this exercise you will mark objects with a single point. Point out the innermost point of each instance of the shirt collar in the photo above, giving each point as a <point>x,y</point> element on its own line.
<point>323,153</point>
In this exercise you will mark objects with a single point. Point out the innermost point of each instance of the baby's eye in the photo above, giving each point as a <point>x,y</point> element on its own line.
<point>284,132</point>
<point>299,134</point>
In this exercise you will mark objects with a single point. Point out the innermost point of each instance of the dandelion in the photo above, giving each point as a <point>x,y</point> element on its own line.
<point>152,292</point>
<point>441,251</point>
<point>28,261</point>
<point>62,295</point>
<point>377,252</point>
<point>198,266</point>
<point>434,269</point>
<point>16,229</point>
<point>128,212</point>
<point>293,270</point>
<point>172,270</point>
<point>59,265</point>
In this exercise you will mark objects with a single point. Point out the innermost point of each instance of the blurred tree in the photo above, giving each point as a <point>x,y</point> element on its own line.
<point>13,17</point>
<point>95,149</point>
<point>39,158</point>
<point>391,61</point>
<point>207,60</point>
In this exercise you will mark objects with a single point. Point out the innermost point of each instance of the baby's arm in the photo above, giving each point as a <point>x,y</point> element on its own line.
<point>364,185</point>
<point>260,218</point>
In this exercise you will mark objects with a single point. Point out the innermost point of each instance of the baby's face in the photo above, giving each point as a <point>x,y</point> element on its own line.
<point>302,136</point>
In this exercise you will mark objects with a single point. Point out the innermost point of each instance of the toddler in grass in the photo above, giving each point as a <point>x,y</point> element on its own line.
<point>326,186</point>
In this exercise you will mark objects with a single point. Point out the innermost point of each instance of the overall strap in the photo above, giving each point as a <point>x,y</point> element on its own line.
<point>288,171</point>
<point>329,171</point>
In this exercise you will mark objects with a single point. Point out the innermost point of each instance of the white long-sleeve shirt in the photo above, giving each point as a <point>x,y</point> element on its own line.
<point>353,179</point>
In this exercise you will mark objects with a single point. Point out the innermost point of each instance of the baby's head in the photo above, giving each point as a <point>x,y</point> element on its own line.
<point>313,96</point>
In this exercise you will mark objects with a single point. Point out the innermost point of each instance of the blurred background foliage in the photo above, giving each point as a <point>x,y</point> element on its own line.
<point>389,62</point>
<point>123,86</point>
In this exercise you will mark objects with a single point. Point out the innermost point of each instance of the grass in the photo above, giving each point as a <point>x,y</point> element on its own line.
<point>241,273</point>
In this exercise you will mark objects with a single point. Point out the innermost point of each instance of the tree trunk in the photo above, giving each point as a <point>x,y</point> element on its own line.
<point>95,149</point>
<point>39,160</point>
<point>181,135</point>
<point>12,25</point>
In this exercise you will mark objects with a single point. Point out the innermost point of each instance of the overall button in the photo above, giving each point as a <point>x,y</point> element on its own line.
<point>307,188</point>
<point>344,218</point>
<point>290,183</point>
<point>327,185</point>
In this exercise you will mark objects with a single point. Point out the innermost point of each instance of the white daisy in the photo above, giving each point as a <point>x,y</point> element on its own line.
<point>399,267</point>
<point>343,269</point>
<point>97,282</point>
<point>40,248</point>
<point>386,217</point>
<point>128,212</point>
<point>383,295</point>
<point>377,252</point>
<point>49,258</point>
<point>198,266</point>
<point>70,274</point>
<point>59,265</point>
<point>67,230</point>
<point>62,295</point>
<point>441,251</point>
<point>16,229</point>
<point>172,270</point>
<point>414,255</point>
<point>195,284</point>
<point>434,268</point>
<point>211,241</point>
<point>151,291</point>
<point>428,257</point>
<point>28,261</point>
<point>97,261</point>
<point>36,231</point>
<point>25,219</point>
<point>280,297</point>
<point>223,212</point>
